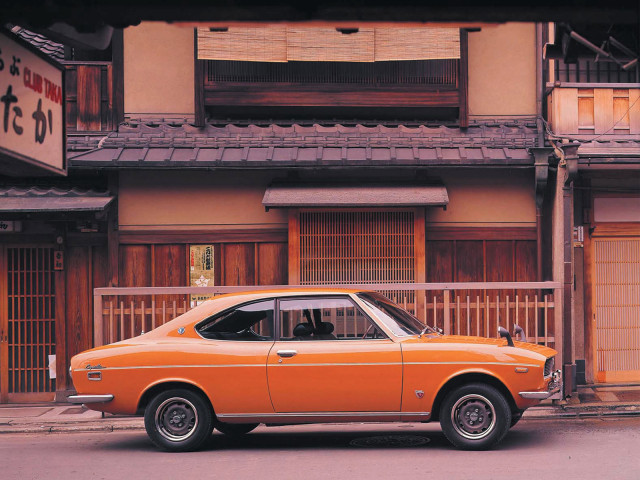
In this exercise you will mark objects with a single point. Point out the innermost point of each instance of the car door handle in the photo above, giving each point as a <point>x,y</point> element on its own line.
<point>287,353</point>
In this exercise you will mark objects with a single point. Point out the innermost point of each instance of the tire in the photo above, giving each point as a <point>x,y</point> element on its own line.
<point>235,429</point>
<point>515,418</point>
<point>178,420</point>
<point>475,417</point>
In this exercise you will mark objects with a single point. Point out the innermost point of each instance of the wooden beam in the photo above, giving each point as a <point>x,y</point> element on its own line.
<point>463,77</point>
<point>198,79</point>
<point>294,246</point>
<point>292,95</point>
<point>117,55</point>
<point>202,236</point>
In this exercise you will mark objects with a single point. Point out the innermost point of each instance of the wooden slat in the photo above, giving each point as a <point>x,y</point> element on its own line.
<point>603,110</point>
<point>89,98</point>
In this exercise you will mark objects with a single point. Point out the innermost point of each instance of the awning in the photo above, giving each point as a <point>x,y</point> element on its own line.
<point>283,195</point>
<point>34,199</point>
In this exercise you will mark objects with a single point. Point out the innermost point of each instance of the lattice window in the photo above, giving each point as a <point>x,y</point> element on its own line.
<point>357,247</point>
<point>31,318</point>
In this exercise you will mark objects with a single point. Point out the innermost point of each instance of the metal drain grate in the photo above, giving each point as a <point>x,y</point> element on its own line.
<point>389,441</point>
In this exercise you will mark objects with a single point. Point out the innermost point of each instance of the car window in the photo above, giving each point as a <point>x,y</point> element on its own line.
<point>249,322</point>
<point>400,321</point>
<point>331,318</point>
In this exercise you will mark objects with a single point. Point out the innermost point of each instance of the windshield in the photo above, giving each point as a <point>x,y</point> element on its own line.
<point>399,321</point>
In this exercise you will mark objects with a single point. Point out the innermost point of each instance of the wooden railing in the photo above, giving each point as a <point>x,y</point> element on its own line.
<point>476,308</point>
<point>588,109</point>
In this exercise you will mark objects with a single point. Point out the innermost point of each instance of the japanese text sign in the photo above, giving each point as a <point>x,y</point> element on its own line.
<point>31,107</point>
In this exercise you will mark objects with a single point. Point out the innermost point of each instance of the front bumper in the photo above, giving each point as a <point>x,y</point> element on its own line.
<point>555,386</point>
<point>90,398</point>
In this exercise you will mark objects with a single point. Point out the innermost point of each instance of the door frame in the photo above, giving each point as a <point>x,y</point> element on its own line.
<point>598,231</point>
<point>58,278</point>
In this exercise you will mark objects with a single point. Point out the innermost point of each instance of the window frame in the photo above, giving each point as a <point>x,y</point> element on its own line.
<point>226,311</point>
<point>355,304</point>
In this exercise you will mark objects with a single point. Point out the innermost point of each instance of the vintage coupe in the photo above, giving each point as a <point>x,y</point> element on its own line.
<point>312,356</point>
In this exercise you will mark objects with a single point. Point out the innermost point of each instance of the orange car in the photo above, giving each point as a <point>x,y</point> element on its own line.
<point>300,356</point>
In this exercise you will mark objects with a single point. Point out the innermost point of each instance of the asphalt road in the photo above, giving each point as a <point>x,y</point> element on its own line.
<point>534,449</point>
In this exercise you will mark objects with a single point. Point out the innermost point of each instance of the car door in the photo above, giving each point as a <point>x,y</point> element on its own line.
<point>237,344</point>
<point>330,357</point>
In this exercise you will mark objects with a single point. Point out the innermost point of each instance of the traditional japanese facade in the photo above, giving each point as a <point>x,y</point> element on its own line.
<point>289,155</point>
<point>594,124</point>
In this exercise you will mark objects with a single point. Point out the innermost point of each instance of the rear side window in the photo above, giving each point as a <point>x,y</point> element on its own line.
<point>249,322</point>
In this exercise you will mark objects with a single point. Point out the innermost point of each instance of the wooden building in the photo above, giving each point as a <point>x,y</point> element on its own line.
<point>594,118</point>
<point>287,155</point>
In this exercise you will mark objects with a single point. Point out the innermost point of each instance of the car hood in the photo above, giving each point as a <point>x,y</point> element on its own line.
<point>496,342</point>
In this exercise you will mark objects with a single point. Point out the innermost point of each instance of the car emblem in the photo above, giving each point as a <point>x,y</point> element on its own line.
<point>180,330</point>
<point>419,393</point>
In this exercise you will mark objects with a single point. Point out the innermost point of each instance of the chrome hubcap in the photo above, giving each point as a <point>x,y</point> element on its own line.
<point>176,419</point>
<point>473,416</point>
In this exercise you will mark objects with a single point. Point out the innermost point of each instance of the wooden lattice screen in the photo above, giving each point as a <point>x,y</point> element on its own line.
<point>357,247</point>
<point>31,319</point>
<point>617,309</point>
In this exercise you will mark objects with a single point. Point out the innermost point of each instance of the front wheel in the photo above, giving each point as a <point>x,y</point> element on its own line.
<point>178,420</point>
<point>475,417</point>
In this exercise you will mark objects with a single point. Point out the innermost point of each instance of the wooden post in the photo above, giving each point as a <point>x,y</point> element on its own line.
<point>447,311</point>
<point>98,334</point>
<point>420,258</point>
<point>294,247</point>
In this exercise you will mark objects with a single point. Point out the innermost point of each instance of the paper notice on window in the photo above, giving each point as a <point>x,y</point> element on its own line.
<point>201,270</point>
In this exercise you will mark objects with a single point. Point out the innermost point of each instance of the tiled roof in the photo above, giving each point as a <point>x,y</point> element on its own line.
<point>143,145</point>
<point>49,47</point>
<point>52,199</point>
<point>622,150</point>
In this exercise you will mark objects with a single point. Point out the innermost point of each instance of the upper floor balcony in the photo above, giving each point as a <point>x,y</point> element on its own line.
<point>594,109</point>
<point>334,72</point>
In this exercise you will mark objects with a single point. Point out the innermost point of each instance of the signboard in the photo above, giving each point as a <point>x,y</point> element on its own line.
<point>10,226</point>
<point>32,137</point>
<point>201,270</point>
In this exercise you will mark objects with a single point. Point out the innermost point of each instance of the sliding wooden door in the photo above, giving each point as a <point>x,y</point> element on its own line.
<point>27,323</point>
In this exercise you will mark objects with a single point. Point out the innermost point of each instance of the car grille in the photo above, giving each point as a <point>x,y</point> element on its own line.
<point>548,366</point>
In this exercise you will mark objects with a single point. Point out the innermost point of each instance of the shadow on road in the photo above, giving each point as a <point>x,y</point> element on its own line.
<point>287,440</point>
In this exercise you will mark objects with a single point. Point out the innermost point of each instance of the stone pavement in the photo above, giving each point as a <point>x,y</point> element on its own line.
<point>588,401</point>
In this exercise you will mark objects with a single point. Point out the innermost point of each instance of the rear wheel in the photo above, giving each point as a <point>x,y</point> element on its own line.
<point>178,420</point>
<point>235,429</point>
<point>475,416</point>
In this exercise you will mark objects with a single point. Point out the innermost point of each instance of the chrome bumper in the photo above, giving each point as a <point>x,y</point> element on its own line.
<point>555,386</point>
<point>90,398</point>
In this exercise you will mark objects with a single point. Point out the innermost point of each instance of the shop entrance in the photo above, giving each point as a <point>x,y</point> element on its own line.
<point>27,323</point>
<point>616,308</point>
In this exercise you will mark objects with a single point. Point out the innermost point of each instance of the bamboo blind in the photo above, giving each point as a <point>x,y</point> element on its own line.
<point>617,308</point>
<point>275,43</point>
<point>31,316</point>
<point>433,43</point>
<point>260,44</point>
<point>356,247</point>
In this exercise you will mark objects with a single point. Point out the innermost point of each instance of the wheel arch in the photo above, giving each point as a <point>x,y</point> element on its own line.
<point>466,378</point>
<point>161,386</point>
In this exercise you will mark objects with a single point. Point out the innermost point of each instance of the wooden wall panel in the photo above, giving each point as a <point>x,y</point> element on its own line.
<point>499,261</point>
<point>603,110</point>
<point>525,261</point>
<point>239,264</point>
<point>89,98</point>
<point>170,266</point>
<point>135,266</point>
<point>469,261</point>
<point>79,300</point>
<point>272,263</point>
<point>439,256</point>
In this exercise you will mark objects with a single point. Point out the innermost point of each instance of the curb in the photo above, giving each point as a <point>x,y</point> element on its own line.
<point>535,413</point>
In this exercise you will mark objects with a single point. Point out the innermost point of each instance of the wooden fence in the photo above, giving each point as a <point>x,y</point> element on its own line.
<point>475,308</point>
